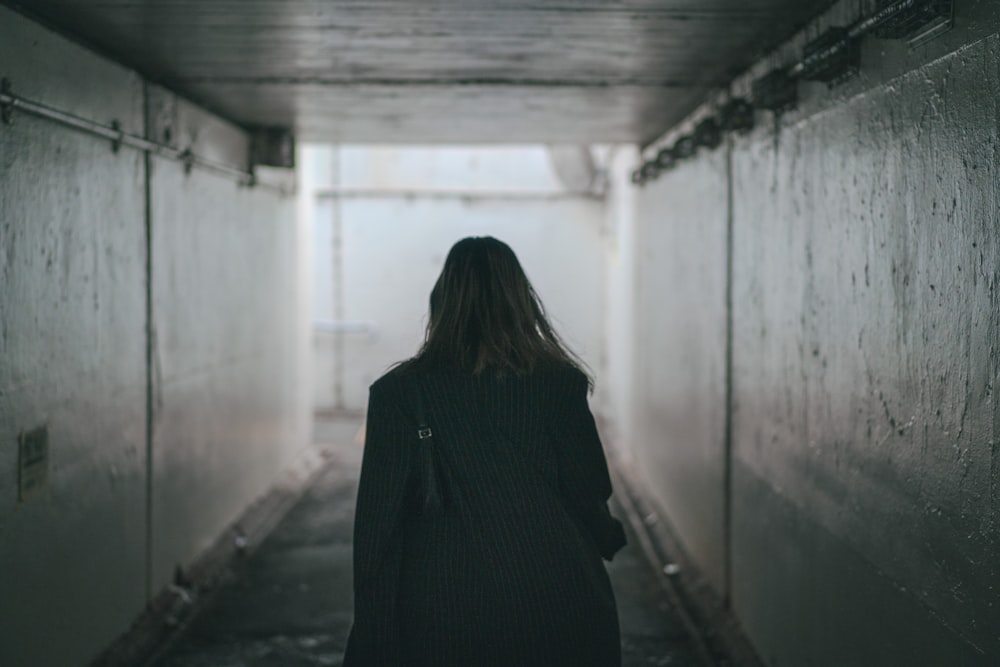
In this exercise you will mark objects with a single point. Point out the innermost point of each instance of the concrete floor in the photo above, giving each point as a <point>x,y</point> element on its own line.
<point>289,603</point>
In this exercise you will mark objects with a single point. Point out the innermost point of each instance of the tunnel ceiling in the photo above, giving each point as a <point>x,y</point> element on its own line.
<point>577,71</point>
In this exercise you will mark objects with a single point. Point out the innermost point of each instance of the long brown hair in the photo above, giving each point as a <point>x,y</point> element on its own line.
<point>484,314</point>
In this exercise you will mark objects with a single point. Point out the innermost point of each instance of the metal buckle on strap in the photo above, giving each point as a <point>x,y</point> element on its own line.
<point>424,433</point>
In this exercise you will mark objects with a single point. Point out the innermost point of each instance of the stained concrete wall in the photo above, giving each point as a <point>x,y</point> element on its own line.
<point>865,416</point>
<point>230,403</point>
<point>384,221</point>
<point>863,452</point>
<point>72,355</point>
<point>615,393</point>
<point>228,411</point>
<point>680,353</point>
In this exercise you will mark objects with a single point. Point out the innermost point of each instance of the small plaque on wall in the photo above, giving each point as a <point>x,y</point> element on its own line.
<point>33,463</point>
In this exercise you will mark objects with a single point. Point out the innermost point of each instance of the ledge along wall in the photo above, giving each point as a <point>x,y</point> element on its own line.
<point>850,510</point>
<point>93,242</point>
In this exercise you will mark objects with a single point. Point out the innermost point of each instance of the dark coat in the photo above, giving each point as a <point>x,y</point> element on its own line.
<point>510,573</point>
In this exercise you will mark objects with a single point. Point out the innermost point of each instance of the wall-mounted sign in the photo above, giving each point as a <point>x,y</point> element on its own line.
<point>33,463</point>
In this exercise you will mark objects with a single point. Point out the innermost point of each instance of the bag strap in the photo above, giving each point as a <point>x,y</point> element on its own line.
<point>423,430</point>
<point>431,497</point>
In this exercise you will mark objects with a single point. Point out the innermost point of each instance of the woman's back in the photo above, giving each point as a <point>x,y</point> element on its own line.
<point>507,571</point>
<point>504,575</point>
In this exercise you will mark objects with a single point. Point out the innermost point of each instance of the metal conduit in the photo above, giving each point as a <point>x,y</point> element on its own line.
<point>118,137</point>
<point>858,29</point>
<point>827,58</point>
<point>867,24</point>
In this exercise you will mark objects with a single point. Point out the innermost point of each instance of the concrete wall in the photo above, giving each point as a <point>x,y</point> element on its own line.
<point>228,409</point>
<point>865,424</point>
<point>231,406</point>
<point>384,222</point>
<point>615,393</point>
<point>680,353</point>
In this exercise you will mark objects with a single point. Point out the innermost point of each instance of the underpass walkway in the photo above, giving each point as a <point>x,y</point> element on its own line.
<point>290,602</point>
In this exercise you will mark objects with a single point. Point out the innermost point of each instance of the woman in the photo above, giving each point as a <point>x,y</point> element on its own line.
<point>482,545</point>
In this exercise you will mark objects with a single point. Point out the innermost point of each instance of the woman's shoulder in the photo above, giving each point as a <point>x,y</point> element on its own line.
<point>569,374</point>
<point>560,376</point>
<point>391,379</point>
<point>400,375</point>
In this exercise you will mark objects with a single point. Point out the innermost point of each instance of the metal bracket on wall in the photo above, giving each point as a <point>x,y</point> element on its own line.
<point>115,133</point>
<point>685,147</point>
<point>708,133</point>
<point>649,171</point>
<point>116,143</point>
<point>776,91</point>
<point>921,21</point>
<point>6,102</point>
<point>737,115</point>
<point>833,57</point>
<point>187,159</point>
<point>273,147</point>
<point>666,159</point>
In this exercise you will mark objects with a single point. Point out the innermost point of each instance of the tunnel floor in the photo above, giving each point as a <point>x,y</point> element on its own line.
<point>289,603</point>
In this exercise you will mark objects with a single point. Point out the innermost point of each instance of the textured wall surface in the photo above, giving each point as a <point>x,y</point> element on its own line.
<point>866,258</point>
<point>72,356</point>
<point>865,447</point>
<point>616,392</point>
<point>680,352</point>
<point>227,383</point>
<point>73,318</point>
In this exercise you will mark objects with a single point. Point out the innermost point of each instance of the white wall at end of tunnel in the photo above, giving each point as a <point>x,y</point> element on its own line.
<point>615,393</point>
<point>229,407</point>
<point>384,220</point>
<point>680,351</point>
